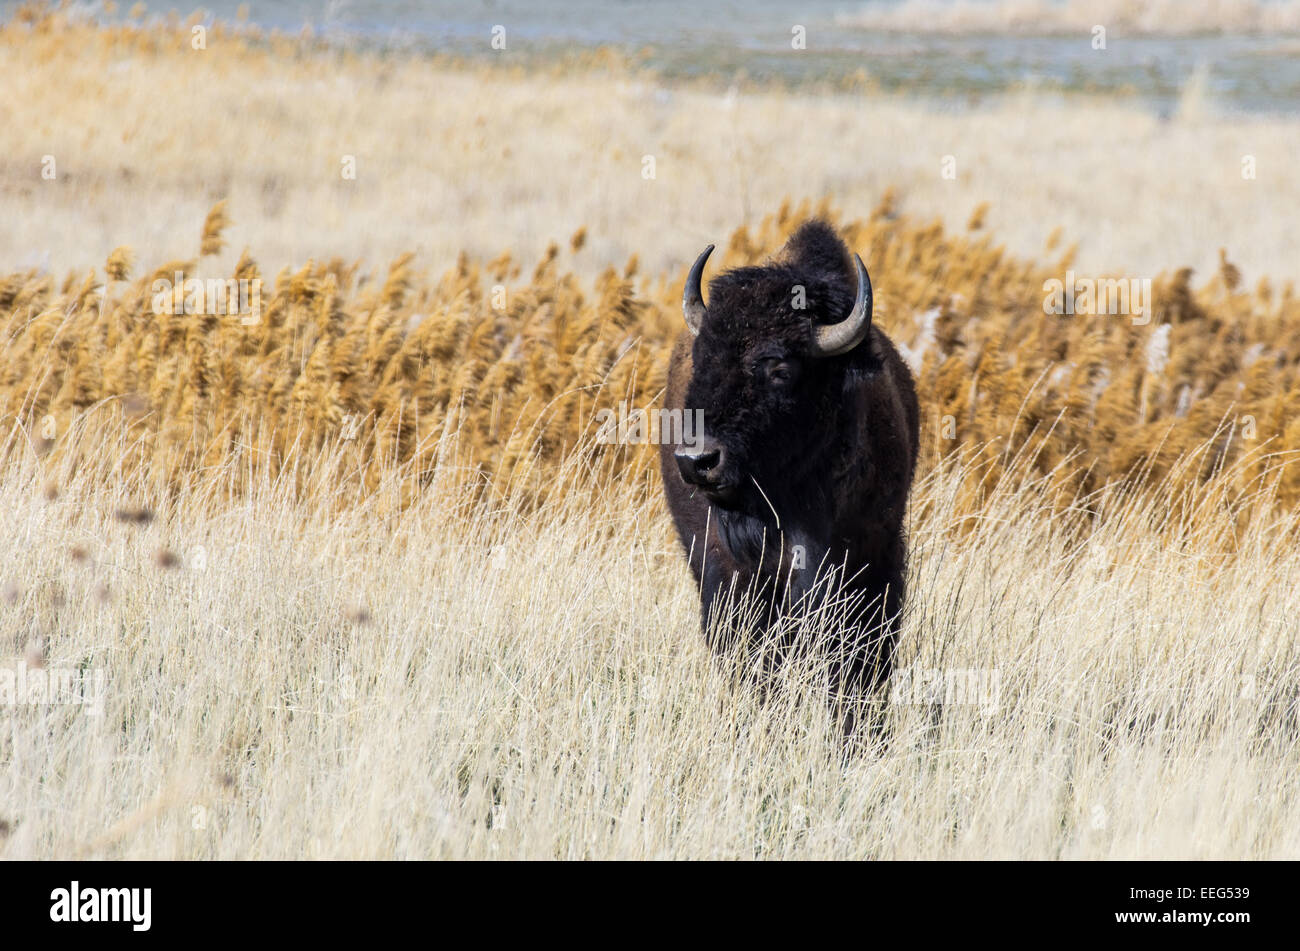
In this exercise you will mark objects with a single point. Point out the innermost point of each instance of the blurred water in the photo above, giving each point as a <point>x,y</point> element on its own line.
<point>1240,71</point>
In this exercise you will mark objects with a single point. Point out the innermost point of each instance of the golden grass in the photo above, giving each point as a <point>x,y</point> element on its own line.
<point>517,369</point>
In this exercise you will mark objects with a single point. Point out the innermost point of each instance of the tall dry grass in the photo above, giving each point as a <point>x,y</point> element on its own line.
<point>463,629</point>
<point>300,678</point>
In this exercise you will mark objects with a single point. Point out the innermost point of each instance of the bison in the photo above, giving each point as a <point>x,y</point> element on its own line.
<point>792,497</point>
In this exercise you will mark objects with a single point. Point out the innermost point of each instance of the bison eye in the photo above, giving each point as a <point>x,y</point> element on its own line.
<point>776,371</point>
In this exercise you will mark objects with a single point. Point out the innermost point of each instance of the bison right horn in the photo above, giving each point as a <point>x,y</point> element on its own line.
<point>833,339</point>
<point>693,308</point>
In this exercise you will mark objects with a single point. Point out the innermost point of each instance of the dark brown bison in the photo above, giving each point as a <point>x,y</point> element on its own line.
<point>794,491</point>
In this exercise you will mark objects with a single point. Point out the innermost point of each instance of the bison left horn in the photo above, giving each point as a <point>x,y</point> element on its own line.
<point>693,308</point>
<point>833,339</point>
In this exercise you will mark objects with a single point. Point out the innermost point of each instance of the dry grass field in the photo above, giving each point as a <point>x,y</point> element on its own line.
<point>351,575</point>
<point>316,680</point>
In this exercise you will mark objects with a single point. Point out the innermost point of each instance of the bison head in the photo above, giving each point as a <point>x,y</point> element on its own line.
<point>773,351</point>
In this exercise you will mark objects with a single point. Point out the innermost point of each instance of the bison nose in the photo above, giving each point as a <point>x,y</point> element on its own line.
<point>702,465</point>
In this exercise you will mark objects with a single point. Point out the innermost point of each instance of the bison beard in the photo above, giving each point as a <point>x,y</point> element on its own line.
<point>792,500</point>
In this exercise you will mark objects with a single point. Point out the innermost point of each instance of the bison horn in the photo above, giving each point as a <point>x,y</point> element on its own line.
<point>833,339</point>
<point>693,308</point>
